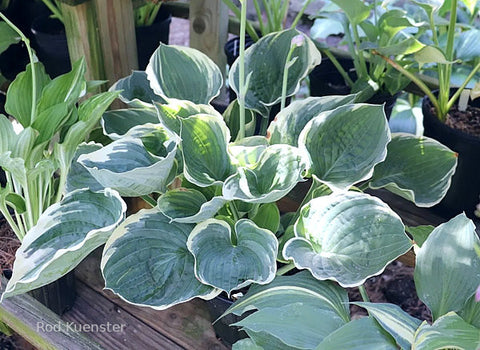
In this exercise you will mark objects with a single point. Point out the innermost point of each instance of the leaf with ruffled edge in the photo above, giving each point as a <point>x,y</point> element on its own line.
<point>149,251</point>
<point>346,237</point>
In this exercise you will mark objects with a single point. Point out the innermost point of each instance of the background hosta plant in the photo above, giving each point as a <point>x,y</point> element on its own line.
<point>208,232</point>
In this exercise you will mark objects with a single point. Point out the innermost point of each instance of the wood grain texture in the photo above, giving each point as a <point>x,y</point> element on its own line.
<point>187,324</point>
<point>29,318</point>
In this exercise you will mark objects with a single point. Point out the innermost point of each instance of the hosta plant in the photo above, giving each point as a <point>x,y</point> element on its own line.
<point>214,225</point>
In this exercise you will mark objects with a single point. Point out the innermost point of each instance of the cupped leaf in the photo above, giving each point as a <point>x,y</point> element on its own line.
<point>135,90</point>
<point>449,252</point>
<point>78,176</point>
<point>395,321</point>
<point>265,80</point>
<point>232,118</point>
<point>204,145</point>
<point>130,168</point>
<point>277,171</point>
<point>448,332</point>
<point>189,205</point>
<point>345,144</point>
<point>248,150</point>
<point>346,237</point>
<point>64,234</point>
<point>231,260</point>
<point>116,123</point>
<point>289,123</point>
<point>360,334</point>
<point>172,113</point>
<point>149,251</point>
<point>183,73</point>
<point>416,168</point>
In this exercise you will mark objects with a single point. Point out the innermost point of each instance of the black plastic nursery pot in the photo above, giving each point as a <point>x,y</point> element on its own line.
<point>228,334</point>
<point>464,191</point>
<point>149,37</point>
<point>51,44</point>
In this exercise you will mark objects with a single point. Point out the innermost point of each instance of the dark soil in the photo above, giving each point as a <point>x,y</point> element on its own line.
<point>467,121</point>
<point>9,244</point>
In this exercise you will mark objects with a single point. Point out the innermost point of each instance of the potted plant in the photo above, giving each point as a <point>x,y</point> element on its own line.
<point>219,229</point>
<point>37,150</point>
<point>448,115</point>
<point>364,26</point>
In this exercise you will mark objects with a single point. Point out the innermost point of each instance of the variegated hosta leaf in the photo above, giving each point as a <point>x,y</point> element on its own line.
<point>64,234</point>
<point>289,123</point>
<point>146,262</point>
<point>183,73</point>
<point>232,118</point>
<point>360,334</point>
<point>248,150</point>
<point>265,82</point>
<point>395,321</point>
<point>277,171</point>
<point>171,114</point>
<point>231,260</point>
<point>129,165</point>
<point>78,176</point>
<point>346,237</point>
<point>116,123</point>
<point>416,168</point>
<point>449,252</point>
<point>298,311</point>
<point>189,205</point>
<point>345,144</point>
<point>135,90</point>
<point>204,145</point>
<point>448,332</point>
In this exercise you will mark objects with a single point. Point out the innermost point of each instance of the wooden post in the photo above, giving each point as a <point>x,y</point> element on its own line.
<point>117,35</point>
<point>209,29</point>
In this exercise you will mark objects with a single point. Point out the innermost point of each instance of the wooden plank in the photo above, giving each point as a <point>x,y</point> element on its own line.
<point>40,326</point>
<point>117,34</point>
<point>187,324</point>
<point>209,29</point>
<point>111,326</point>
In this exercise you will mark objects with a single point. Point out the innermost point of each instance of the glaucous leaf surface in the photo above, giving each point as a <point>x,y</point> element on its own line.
<point>346,237</point>
<point>183,73</point>
<point>448,332</point>
<point>135,89</point>
<point>127,165</point>
<point>466,45</point>
<point>246,344</point>
<point>416,168</point>
<point>346,143</point>
<point>289,123</point>
<point>359,334</point>
<point>65,234</point>
<point>116,123</point>
<point>189,205</point>
<point>78,176</point>
<point>448,252</point>
<point>264,64</point>
<point>204,145</point>
<point>394,320</point>
<point>230,260</point>
<point>278,170</point>
<point>146,262</point>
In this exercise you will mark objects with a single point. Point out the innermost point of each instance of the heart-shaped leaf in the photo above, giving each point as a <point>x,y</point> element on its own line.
<point>416,168</point>
<point>345,144</point>
<point>116,123</point>
<point>265,85</point>
<point>127,166</point>
<point>346,237</point>
<point>448,332</point>
<point>204,144</point>
<point>64,234</point>
<point>449,251</point>
<point>231,260</point>
<point>277,171</point>
<point>289,123</point>
<point>150,252</point>
<point>395,321</point>
<point>183,73</point>
<point>189,205</point>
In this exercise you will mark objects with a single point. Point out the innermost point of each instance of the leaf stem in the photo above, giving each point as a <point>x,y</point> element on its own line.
<point>241,70</point>
<point>339,67</point>
<point>284,269</point>
<point>456,95</point>
<point>363,293</point>
<point>149,200</point>
<point>300,13</point>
